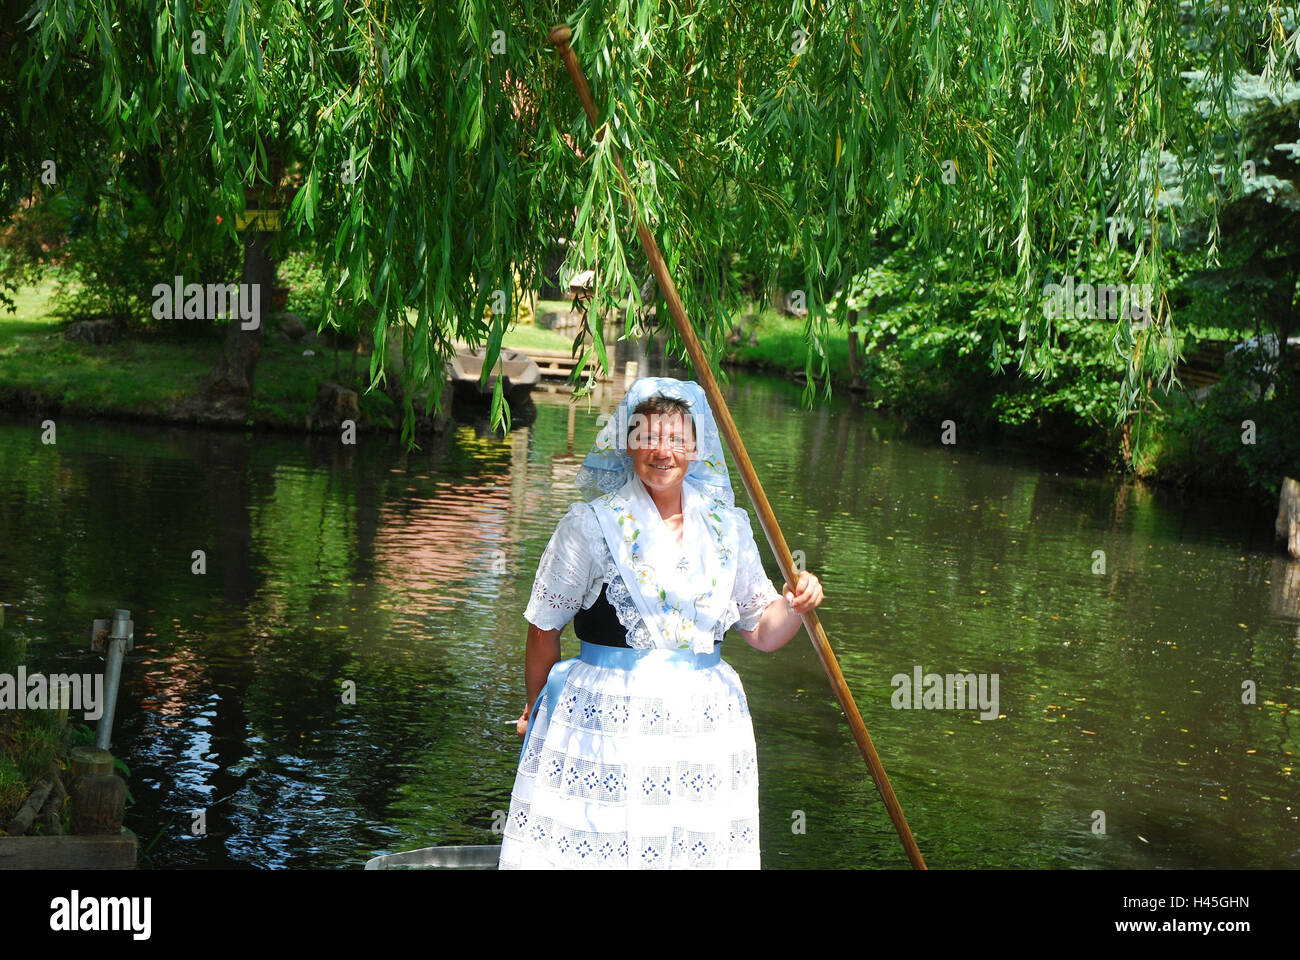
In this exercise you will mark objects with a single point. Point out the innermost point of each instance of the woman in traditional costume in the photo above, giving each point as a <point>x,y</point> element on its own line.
<point>640,752</point>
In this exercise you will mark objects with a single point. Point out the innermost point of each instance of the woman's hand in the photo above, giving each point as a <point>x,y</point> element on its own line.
<point>783,618</point>
<point>807,594</point>
<point>521,725</point>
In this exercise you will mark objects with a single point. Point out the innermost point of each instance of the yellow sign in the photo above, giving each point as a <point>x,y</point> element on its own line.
<point>265,221</point>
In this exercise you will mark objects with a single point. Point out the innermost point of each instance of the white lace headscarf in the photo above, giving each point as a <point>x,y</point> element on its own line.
<point>681,592</point>
<point>609,466</point>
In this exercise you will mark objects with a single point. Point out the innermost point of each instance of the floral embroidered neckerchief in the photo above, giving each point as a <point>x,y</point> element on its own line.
<point>680,608</point>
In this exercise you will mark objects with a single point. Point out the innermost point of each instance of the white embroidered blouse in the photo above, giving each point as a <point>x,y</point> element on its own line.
<point>577,563</point>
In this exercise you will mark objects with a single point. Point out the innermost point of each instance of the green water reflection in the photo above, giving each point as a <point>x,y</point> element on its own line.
<point>404,577</point>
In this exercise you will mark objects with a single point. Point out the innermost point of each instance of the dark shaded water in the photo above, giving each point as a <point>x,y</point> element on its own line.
<point>406,575</point>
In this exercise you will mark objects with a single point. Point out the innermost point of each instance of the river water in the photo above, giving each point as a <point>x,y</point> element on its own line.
<point>1120,737</point>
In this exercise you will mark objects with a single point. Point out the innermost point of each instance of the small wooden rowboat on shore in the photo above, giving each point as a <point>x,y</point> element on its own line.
<point>439,858</point>
<point>519,374</point>
<point>519,371</point>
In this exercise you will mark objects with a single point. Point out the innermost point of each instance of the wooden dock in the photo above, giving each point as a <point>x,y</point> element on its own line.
<point>557,364</point>
<point>112,852</point>
<point>1202,366</point>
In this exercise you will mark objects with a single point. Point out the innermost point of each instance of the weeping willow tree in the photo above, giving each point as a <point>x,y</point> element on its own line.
<point>436,150</point>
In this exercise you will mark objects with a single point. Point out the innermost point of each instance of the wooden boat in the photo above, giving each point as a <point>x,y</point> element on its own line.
<point>519,371</point>
<point>519,375</point>
<point>439,858</point>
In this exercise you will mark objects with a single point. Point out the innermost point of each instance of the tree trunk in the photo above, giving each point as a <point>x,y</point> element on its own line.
<point>855,354</point>
<point>1280,304</point>
<point>1287,525</point>
<point>230,385</point>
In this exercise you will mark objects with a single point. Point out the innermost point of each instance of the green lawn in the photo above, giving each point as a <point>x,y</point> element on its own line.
<point>781,344</point>
<point>536,338</point>
<point>144,376</point>
<point>131,375</point>
<point>139,375</point>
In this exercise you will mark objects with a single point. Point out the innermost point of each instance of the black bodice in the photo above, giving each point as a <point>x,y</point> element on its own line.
<point>599,623</point>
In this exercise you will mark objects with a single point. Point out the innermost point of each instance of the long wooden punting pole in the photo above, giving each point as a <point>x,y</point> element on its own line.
<point>560,36</point>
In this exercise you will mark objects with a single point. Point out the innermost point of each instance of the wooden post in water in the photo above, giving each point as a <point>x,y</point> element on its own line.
<point>98,804</point>
<point>98,796</point>
<point>85,760</point>
<point>1287,526</point>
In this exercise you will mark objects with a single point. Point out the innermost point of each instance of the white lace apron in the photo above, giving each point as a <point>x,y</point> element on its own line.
<point>643,757</point>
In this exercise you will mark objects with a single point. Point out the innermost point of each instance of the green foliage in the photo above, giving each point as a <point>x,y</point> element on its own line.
<point>122,770</point>
<point>80,734</point>
<point>30,741</point>
<point>430,158</point>
<point>1072,402</point>
<point>932,341</point>
<point>13,789</point>
<point>377,407</point>
<point>12,647</point>
<point>115,255</point>
<point>15,273</point>
<point>39,744</point>
<point>306,286</point>
<point>1203,443</point>
<point>110,268</point>
<point>26,245</point>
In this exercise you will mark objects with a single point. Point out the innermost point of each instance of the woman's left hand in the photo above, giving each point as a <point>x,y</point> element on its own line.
<point>806,595</point>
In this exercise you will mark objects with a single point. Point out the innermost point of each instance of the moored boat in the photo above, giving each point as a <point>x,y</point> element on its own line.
<point>482,857</point>
<point>519,375</point>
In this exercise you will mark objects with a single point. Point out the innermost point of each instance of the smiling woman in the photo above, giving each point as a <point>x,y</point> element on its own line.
<point>640,752</point>
<point>661,443</point>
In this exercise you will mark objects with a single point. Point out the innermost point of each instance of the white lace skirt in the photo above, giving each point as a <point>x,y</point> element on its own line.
<point>647,765</point>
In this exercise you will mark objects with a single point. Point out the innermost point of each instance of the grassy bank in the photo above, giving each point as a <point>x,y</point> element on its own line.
<point>32,745</point>
<point>781,347</point>
<point>144,377</point>
<point>919,375</point>
<point>924,374</point>
<point>32,742</point>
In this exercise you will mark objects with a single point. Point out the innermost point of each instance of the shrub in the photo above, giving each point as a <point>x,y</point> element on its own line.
<point>1205,441</point>
<point>116,251</point>
<point>13,789</point>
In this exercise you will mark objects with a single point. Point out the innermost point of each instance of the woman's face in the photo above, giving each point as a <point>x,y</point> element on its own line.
<point>662,447</point>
